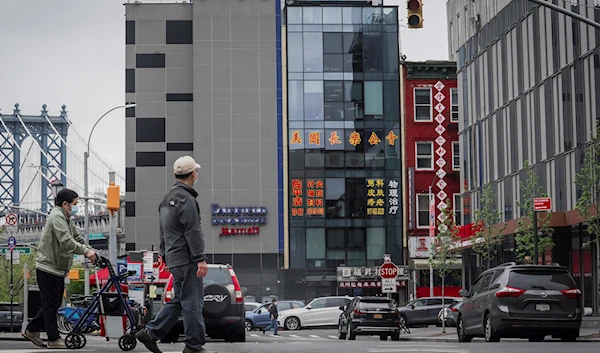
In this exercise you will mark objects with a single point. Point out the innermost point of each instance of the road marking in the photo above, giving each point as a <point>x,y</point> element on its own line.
<point>314,336</point>
<point>415,349</point>
<point>38,350</point>
<point>295,336</point>
<point>334,337</point>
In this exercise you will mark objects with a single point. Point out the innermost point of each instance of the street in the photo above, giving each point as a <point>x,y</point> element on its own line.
<point>327,341</point>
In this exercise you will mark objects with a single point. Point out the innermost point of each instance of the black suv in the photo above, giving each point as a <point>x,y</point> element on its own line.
<point>224,310</point>
<point>369,316</point>
<point>521,301</point>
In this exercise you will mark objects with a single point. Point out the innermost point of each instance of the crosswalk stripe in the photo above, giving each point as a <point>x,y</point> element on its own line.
<point>333,336</point>
<point>254,335</point>
<point>295,336</point>
<point>314,336</point>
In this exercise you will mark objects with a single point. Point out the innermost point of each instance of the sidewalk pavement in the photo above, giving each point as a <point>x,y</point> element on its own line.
<point>434,334</point>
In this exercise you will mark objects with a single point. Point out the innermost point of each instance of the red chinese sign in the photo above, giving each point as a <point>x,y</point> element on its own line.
<point>297,198</point>
<point>366,284</point>
<point>355,138</point>
<point>315,198</point>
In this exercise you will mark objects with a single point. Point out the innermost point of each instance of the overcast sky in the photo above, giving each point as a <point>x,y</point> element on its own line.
<point>73,52</point>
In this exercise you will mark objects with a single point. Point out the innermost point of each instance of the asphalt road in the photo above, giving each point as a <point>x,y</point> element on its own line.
<point>326,341</point>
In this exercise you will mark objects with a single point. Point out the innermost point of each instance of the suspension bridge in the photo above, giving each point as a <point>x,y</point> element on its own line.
<point>36,151</point>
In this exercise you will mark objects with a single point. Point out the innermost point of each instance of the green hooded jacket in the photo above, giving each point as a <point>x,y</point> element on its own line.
<point>59,242</point>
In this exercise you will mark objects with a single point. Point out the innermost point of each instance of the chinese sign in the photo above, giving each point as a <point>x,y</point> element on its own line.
<point>366,284</point>
<point>418,247</point>
<point>375,197</point>
<point>246,215</point>
<point>315,198</point>
<point>440,162</point>
<point>335,138</point>
<point>393,197</point>
<point>366,277</point>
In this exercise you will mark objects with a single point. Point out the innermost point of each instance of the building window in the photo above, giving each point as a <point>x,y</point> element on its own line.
<point>129,32</point>
<point>375,245</point>
<point>150,60</point>
<point>315,247</point>
<point>422,210</point>
<point>150,130</point>
<point>424,152</point>
<point>129,80</point>
<point>179,32</point>
<point>423,107</point>
<point>454,104</point>
<point>457,207</point>
<point>455,155</point>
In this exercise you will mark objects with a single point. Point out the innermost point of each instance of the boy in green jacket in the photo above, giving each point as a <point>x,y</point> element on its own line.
<point>59,242</point>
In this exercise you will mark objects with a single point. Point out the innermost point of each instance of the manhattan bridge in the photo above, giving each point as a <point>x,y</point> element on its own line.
<point>39,150</point>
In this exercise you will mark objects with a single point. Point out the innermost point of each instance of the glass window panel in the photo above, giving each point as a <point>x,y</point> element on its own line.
<point>315,243</point>
<point>313,55</point>
<point>297,248</point>
<point>296,159</point>
<point>356,189</point>
<point>314,159</point>
<point>375,154</point>
<point>332,15</point>
<point>334,160</point>
<point>353,91</point>
<point>354,111</point>
<point>353,63</point>
<point>424,155</point>
<point>423,104</point>
<point>391,103</point>
<point>314,138</point>
<point>312,28</point>
<point>333,63</point>
<point>373,98</point>
<point>391,53</point>
<point>335,188</point>
<point>355,258</point>
<point>422,210</point>
<point>351,15</point>
<point>372,15</point>
<point>334,140</point>
<point>352,43</point>
<point>356,238</point>
<point>336,255</point>
<point>335,208</point>
<point>296,139</point>
<point>392,153</point>
<point>454,103</point>
<point>390,15</point>
<point>311,15</point>
<point>423,95</point>
<point>334,111</point>
<point>332,43</point>
<point>295,54</point>
<point>373,52</point>
<point>336,238</point>
<point>294,15</point>
<point>334,91</point>
<point>313,100</point>
<point>295,100</point>
<point>356,209</point>
<point>375,243</point>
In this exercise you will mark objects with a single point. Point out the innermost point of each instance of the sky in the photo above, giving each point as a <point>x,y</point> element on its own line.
<point>72,52</point>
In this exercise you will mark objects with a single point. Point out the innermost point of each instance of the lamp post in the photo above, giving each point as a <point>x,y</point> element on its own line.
<point>56,187</point>
<point>86,155</point>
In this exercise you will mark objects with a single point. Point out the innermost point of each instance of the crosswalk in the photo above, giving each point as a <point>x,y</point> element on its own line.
<point>286,336</point>
<point>417,347</point>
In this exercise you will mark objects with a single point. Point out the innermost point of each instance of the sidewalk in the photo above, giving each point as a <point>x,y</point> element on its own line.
<point>434,334</point>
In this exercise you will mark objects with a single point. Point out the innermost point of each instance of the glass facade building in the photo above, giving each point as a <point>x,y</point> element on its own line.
<point>343,143</point>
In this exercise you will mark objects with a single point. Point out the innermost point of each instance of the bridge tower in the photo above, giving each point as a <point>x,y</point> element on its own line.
<point>48,132</point>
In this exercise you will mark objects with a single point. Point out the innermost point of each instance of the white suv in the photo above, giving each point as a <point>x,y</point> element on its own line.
<point>323,311</point>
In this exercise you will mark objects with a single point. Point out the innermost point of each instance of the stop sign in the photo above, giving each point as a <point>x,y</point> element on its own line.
<point>388,270</point>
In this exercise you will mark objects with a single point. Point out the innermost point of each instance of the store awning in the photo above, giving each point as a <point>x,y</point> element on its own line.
<point>423,264</point>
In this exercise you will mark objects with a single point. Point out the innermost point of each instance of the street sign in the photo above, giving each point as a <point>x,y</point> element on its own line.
<point>11,219</point>
<point>12,242</point>
<point>19,249</point>
<point>388,285</point>
<point>389,270</point>
<point>15,257</point>
<point>542,204</point>
<point>97,236</point>
<point>432,218</point>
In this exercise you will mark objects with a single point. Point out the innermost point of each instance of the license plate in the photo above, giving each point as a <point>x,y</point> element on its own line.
<point>377,316</point>
<point>542,307</point>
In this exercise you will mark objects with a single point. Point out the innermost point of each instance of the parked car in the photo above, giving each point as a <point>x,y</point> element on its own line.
<point>319,312</point>
<point>424,311</point>
<point>450,314</point>
<point>261,318</point>
<point>521,301</point>
<point>369,316</point>
<point>17,316</point>
<point>224,311</point>
<point>251,306</point>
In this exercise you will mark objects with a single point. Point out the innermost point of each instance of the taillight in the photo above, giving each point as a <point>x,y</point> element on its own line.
<point>571,293</point>
<point>454,309</point>
<point>509,292</point>
<point>356,311</point>
<point>236,285</point>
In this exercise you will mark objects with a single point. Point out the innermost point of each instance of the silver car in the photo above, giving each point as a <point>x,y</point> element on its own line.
<point>450,314</point>
<point>424,311</point>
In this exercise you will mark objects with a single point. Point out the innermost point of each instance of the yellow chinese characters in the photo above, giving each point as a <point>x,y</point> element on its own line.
<point>375,197</point>
<point>374,139</point>
<point>391,137</point>
<point>296,139</point>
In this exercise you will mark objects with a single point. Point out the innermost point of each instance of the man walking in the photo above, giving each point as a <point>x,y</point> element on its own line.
<point>182,248</point>
<point>274,314</point>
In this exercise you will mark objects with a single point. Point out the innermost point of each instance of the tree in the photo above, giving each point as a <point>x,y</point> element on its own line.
<point>18,282</point>
<point>444,249</point>
<point>588,179</point>
<point>524,234</point>
<point>489,233</point>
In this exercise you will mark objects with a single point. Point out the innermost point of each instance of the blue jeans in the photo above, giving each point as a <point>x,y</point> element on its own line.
<point>189,299</point>
<point>273,326</point>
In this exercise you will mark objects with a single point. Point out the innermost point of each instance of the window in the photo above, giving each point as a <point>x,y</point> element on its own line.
<point>457,208</point>
<point>375,245</point>
<point>455,155</point>
<point>130,179</point>
<point>179,32</point>
<point>315,243</point>
<point>180,97</point>
<point>129,32</point>
<point>454,103</point>
<point>423,107</point>
<point>150,130</point>
<point>424,154</point>
<point>373,98</point>
<point>423,211</point>
<point>318,303</point>
<point>150,159</point>
<point>150,60</point>
<point>129,81</point>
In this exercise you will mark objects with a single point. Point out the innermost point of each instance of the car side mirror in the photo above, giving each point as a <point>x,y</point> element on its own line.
<point>342,308</point>
<point>308,307</point>
<point>463,293</point>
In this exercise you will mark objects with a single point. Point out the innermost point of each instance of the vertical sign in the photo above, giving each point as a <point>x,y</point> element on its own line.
<point>411,197</point>
<point>297,198</point>
<point>431,216</point>
<point>375,197</point>
<point>314,197</point>
<point>393,197</point>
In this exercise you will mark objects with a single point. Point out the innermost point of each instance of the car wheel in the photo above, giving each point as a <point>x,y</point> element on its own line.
<point>292,323</point>
<point>490,335</point>
<point>403,321</point>
<point>249,326</point>
<point>460,330</point>
<point>342,334</point>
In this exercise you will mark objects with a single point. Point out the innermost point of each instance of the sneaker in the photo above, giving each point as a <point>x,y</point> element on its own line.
<point>200,350</point>
<point>150,343</point>
<point>56,344</point>
<point>34,337</point>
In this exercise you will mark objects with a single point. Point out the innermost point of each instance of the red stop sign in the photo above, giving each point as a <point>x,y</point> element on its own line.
<point>388,270</point>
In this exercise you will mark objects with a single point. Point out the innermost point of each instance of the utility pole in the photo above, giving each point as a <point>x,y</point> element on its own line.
<point>566,12</point>
<point>86,222</point>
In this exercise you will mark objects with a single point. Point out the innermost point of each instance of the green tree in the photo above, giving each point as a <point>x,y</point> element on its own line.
<point>18,282</point>
<point>588,179</point>
<point>524,234</point>
<point>444,250</point>
<point>489,233</point>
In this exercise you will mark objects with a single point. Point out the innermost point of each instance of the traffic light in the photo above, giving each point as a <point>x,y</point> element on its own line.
<point>415,13</point>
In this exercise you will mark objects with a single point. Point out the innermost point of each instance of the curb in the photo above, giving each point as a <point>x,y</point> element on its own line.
<point>455,340</point>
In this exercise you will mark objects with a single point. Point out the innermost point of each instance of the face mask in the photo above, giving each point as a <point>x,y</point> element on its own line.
<point>74,210</point>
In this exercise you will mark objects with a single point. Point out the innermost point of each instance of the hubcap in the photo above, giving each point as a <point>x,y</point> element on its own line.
<point>248,326</point>
<point>292,324</point>
<point>488,328</point>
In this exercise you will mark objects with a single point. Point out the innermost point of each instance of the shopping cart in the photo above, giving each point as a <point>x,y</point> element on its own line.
<point>107,304</point>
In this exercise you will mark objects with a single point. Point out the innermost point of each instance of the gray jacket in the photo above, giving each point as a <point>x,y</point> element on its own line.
<point>181,237</point>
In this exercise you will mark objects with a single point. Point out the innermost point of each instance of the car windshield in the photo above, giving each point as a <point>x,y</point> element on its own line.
<point>375,304</point>
<point>540,279</point>
<point>218,275</point>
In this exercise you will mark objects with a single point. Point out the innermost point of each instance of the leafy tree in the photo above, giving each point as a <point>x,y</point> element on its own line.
<point>18,282</point>
<point>489,233</point>
<point>444,249</point>
<point>524,235</point>
<point>588,179</point>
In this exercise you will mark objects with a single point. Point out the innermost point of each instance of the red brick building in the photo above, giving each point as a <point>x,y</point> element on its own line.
<point>431,158</point>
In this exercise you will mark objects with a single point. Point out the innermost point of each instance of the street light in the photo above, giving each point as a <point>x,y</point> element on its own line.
<point>56,187</point>
<point>86,155</point>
